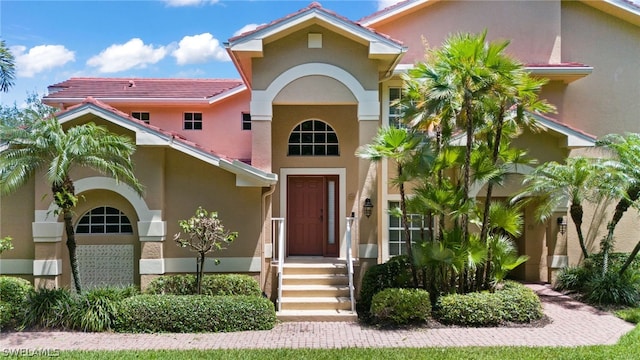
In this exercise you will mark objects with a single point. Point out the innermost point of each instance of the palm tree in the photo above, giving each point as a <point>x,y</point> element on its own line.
<point>400,146</point>
<point>7,67</point>
<point>47,147</point>
<point>553,183</point>
<point>626,165</point>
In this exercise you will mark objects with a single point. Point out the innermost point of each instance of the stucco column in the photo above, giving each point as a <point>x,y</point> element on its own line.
<point>152,234</point>
<point>47,240</point>
<point>261,143</point>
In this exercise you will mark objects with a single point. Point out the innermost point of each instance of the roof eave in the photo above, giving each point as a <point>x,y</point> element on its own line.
<point>246,175</point>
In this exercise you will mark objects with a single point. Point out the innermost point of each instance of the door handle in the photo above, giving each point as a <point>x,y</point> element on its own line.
<point>321,217</point>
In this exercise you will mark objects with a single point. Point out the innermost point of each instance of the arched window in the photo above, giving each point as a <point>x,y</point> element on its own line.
<point>104,220</point>
<point>313,138</point>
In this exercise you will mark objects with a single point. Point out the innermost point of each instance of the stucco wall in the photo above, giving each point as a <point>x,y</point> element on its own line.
<point>293,50</point>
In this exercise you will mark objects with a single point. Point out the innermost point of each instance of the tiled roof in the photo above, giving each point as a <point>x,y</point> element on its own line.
<point>558,65</point>
<point>140,88</point>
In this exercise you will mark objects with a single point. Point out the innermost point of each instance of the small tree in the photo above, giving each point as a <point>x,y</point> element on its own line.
<point>5,244</point>
<point>204,234</point>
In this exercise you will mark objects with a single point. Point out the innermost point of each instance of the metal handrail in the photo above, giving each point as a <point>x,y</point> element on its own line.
<point>350,263</point>
<point>280,249</point>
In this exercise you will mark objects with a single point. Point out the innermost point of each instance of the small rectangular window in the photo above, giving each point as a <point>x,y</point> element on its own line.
<point>141,115</point>
<point>246,121</point>
<point>192,121</point>
<point>418,225</point>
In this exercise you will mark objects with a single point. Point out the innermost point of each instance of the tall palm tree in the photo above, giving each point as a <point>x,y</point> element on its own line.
<point>400,146</point>
<point>626,164</point>
<point>553,183</point>
<point>48,147</point>
<point>7,67</point>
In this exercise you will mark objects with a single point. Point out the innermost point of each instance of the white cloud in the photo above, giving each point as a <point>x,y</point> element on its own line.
<point>246,28</point>
<point>132,54</point>
<point>382,4</point>
<point>199,49</point>
<point>179,3</point>
<point>40,58</point>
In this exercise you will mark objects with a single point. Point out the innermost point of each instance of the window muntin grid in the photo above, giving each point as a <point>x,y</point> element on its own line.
<point>418,223</point>
<point>395,110</point>
<point>313,138</point>
<point>104,220</point>
<point>141,115</point>
<point>193,121</point>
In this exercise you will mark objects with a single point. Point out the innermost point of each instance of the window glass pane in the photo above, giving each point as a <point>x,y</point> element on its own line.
<point>126,229</point>
<point>113,219</point>
<point>294,138</point>
<point>99,210</point>
<point>82,229</point>
<point>188,126</point>
<point>319,126</point>
<point>197,116</point>
<point>319,150</point>
<point>332,138</point>
<point>294,150</point>
<point>104,220</point>
<point>197,126</point>
<point>319,138</point>
<point>307,150</point>
<point>332,150</point>
<point>314,137</point>
<point>113,229</point>
<point>97,229</point>
<point>188,116</point>
<point>307,126</point>
<point>307,138</point>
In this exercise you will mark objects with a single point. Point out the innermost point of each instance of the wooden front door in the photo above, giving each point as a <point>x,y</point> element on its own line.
<point>312,215</point>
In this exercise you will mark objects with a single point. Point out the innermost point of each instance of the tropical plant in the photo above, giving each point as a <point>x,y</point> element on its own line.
<point>626,164</point>
<point>48,147</point>
<point>25,114</point>
<point>552,183</point>
<point>204,233</point>
<point>7,67</point>
<point>402,147</point>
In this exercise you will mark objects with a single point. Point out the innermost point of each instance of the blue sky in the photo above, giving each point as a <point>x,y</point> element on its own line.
<point>55,40</point>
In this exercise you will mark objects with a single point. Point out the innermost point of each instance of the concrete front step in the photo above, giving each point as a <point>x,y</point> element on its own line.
<point>315,290</point>
<point>314,269</point>
<point>316,303</point>
<point>316,279</point>
<point>317,315</point>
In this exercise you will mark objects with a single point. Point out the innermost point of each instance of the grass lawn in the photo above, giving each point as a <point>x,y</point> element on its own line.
<point>627,348</point>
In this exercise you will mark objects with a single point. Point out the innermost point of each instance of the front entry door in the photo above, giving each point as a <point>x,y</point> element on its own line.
<point>311,215</point>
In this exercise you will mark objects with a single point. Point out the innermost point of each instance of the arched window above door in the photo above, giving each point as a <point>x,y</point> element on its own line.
<point>313,138</point>
<point>104,220</point>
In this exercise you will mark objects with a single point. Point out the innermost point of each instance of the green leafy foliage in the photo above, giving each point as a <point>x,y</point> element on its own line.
<point>5,244</point>
<point>13,297</point>
<point>97,309</point>
<point>195,313</point>
<point>49,308</point>
<point>513,303</point>
<point>395,273</point>
<point>398,306</point>
<point>216,284</point>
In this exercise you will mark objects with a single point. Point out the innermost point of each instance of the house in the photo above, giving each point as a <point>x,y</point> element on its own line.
<point>273,152</point>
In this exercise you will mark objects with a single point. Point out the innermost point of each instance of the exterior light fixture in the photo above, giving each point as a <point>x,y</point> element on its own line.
<point>367,207</point>
<point>562,224</point>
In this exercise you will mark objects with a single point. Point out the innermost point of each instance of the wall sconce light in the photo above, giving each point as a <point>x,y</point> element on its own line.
<point>562,224</point>
<point>367,207</point>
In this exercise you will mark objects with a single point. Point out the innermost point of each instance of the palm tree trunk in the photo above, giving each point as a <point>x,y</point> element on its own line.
<point>623,205</point>
<point>407,230</point>
<point>630,259</point>
<point>576,212</point>
<point>71,246</point>
<point>464,219</point>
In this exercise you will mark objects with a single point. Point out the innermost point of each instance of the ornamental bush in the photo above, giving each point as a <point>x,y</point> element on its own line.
<point>97,309</point>
<point>513,303</point>
<point>195,313</point>
<point>50,308</point>
<point>13,296</point>
<point>395,273</point>
<point>216,284</point>
<point>398,306</point>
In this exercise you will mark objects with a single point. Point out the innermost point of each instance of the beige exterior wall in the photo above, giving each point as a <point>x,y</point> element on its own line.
<point>292,50</point>
<point>16,212</point>
<point>607,100</point>
<point>532,26</point>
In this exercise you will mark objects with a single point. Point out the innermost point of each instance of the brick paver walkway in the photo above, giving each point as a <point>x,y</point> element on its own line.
<point>572,324</point>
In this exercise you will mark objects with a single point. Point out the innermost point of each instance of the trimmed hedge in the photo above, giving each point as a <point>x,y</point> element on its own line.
<point>215,285</point>
<point>395,273</point>
<point>397,306</point>
<point>13,297</point>
<point>513,303</point>
<point>195,313</point>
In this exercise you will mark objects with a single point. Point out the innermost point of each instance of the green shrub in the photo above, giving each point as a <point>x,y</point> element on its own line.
<point>395,273</point>
<point>572,278</point>
<point>398,306</point>
<point>216,284</point>
<point>631,315</point>
<point>13,296</point>
<point>230,284</point>
<point>195,313</point>
<point>613,289</point>
<point>173,284</point>
<point>513,303</point>
<point>50,308</point>
<point>97,309</point>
